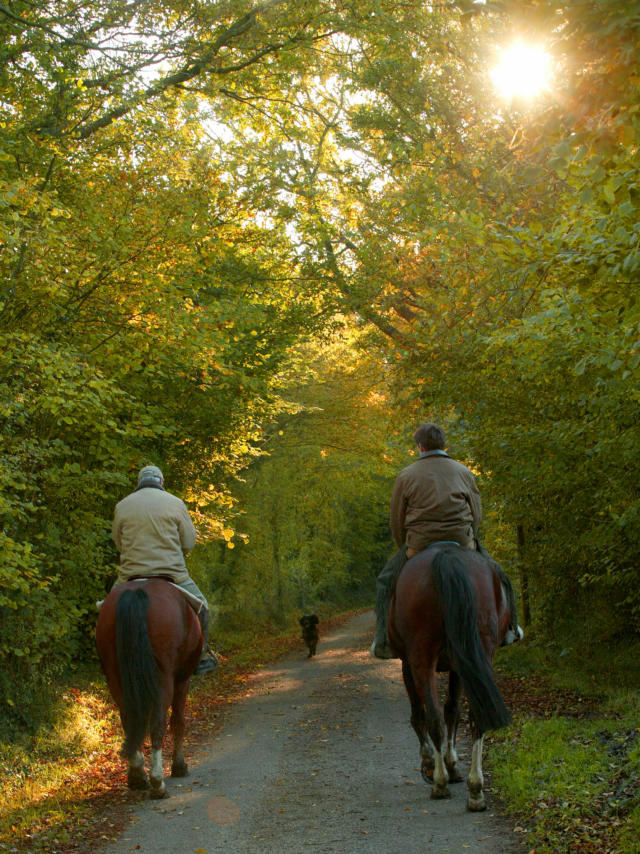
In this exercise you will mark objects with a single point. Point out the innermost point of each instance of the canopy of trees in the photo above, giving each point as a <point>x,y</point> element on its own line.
<point>255,243</point>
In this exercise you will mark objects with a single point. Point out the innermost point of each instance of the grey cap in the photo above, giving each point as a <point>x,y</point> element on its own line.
<point>150,476</point>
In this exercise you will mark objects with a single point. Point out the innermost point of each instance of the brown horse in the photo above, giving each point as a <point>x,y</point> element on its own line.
<point>149,643</point>
<point>449,613</point>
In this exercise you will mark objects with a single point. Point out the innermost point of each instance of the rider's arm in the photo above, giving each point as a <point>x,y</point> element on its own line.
<point>475,503</point>
<point>116,531</point>
<point>397,514</point>
<point>186,529</point>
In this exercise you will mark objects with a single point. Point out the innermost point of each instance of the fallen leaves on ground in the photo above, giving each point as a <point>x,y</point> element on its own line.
<point>94,805</point>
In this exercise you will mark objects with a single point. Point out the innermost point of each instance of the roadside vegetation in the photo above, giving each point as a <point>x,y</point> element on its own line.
<point>65,786</point>
<point>565,774</point>
<point>256,249</point>
<point>568,768</point>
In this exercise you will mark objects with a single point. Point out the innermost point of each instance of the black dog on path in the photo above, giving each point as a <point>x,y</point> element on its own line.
<point>309,625</point>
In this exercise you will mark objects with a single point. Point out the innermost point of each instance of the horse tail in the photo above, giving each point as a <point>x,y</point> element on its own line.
<point>139,674</point>
<point>460,613</point>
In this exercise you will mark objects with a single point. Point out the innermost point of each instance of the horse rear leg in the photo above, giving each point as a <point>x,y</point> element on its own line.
<point>451,719</point>
<point>475,783</point>
<point>136,776</point>
<point>426,719</point>
<point>178,765</point>
<point>157,732</point>
<point>435,727</point>
<point>419,724</point>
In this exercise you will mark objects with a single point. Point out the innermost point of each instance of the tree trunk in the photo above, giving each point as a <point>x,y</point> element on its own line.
<point>524,577</point>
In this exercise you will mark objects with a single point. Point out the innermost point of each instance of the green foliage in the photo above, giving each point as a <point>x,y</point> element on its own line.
<point>572,771</point>
<point>503,279</point>
<point>191,209</point>
<point>145,312</point>
<point>155,285</point>
<point>312,528</point>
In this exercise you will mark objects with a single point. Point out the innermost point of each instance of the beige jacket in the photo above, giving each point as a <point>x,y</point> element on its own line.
<point>435,498</point>
<point>152,530</point>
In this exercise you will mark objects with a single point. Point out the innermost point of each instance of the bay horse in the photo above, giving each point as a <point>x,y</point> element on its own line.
<point>149,643</point>
<point>449,613</point>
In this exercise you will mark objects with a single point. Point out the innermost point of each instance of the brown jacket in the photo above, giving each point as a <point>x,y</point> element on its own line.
<point>435,498</point>
<point>152,529</point>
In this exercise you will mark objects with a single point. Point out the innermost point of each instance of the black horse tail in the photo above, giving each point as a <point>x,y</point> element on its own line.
<point>138,669</point>
<point>458,601</point>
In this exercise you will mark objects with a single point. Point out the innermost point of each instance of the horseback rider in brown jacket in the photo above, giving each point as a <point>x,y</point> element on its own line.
<point>435,499</point>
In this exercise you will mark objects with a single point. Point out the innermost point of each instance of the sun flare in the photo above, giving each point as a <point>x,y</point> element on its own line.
<point>523,71</point>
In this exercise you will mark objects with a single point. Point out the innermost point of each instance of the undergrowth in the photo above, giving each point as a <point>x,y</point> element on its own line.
<point>64,777</point>
<point>569,766</point>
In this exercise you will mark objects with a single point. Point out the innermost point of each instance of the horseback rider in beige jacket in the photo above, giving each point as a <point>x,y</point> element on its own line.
<point>152,531</point>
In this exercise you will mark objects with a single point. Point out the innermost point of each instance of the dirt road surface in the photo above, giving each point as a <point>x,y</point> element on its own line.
<point>318,757</point>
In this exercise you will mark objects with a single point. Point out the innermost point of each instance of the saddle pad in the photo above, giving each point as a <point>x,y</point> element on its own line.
<point>195,603</point>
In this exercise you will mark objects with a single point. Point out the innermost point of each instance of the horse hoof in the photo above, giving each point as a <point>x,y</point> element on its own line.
<point>138,783</point>
<point>179,769</point>
<point>427,774</point>
<point>440,793</point>
<point>455,776</point>
<point>157,793</point>
<point>476,804</point>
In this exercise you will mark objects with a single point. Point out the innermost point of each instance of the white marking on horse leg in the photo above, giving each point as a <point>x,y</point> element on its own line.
<point>451,756</point>
<point>440,774</point>
<point>156,774</point>
<point>475,801</point>
<point>475,774</point>
<point>451,759</point>
<point>440,777</point>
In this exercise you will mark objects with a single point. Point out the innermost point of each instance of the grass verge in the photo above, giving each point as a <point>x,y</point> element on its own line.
<point>568,767</point>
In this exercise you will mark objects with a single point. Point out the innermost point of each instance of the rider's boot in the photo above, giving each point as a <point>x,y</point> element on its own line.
<point>208,660</point>
<point>381,648</point>
<point>512,635</point>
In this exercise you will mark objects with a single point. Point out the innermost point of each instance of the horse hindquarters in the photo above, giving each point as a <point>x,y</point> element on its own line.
<point>458,600</point>
<point>461,597</point>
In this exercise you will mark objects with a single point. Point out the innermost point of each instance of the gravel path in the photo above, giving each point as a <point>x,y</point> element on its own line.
<point>318,756</point>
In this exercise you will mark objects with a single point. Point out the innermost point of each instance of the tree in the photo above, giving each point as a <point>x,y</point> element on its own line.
<point>313,511</point>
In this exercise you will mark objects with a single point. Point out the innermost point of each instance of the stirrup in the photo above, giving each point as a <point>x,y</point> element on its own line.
<point>381,650</point>
<point>208,662</point>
